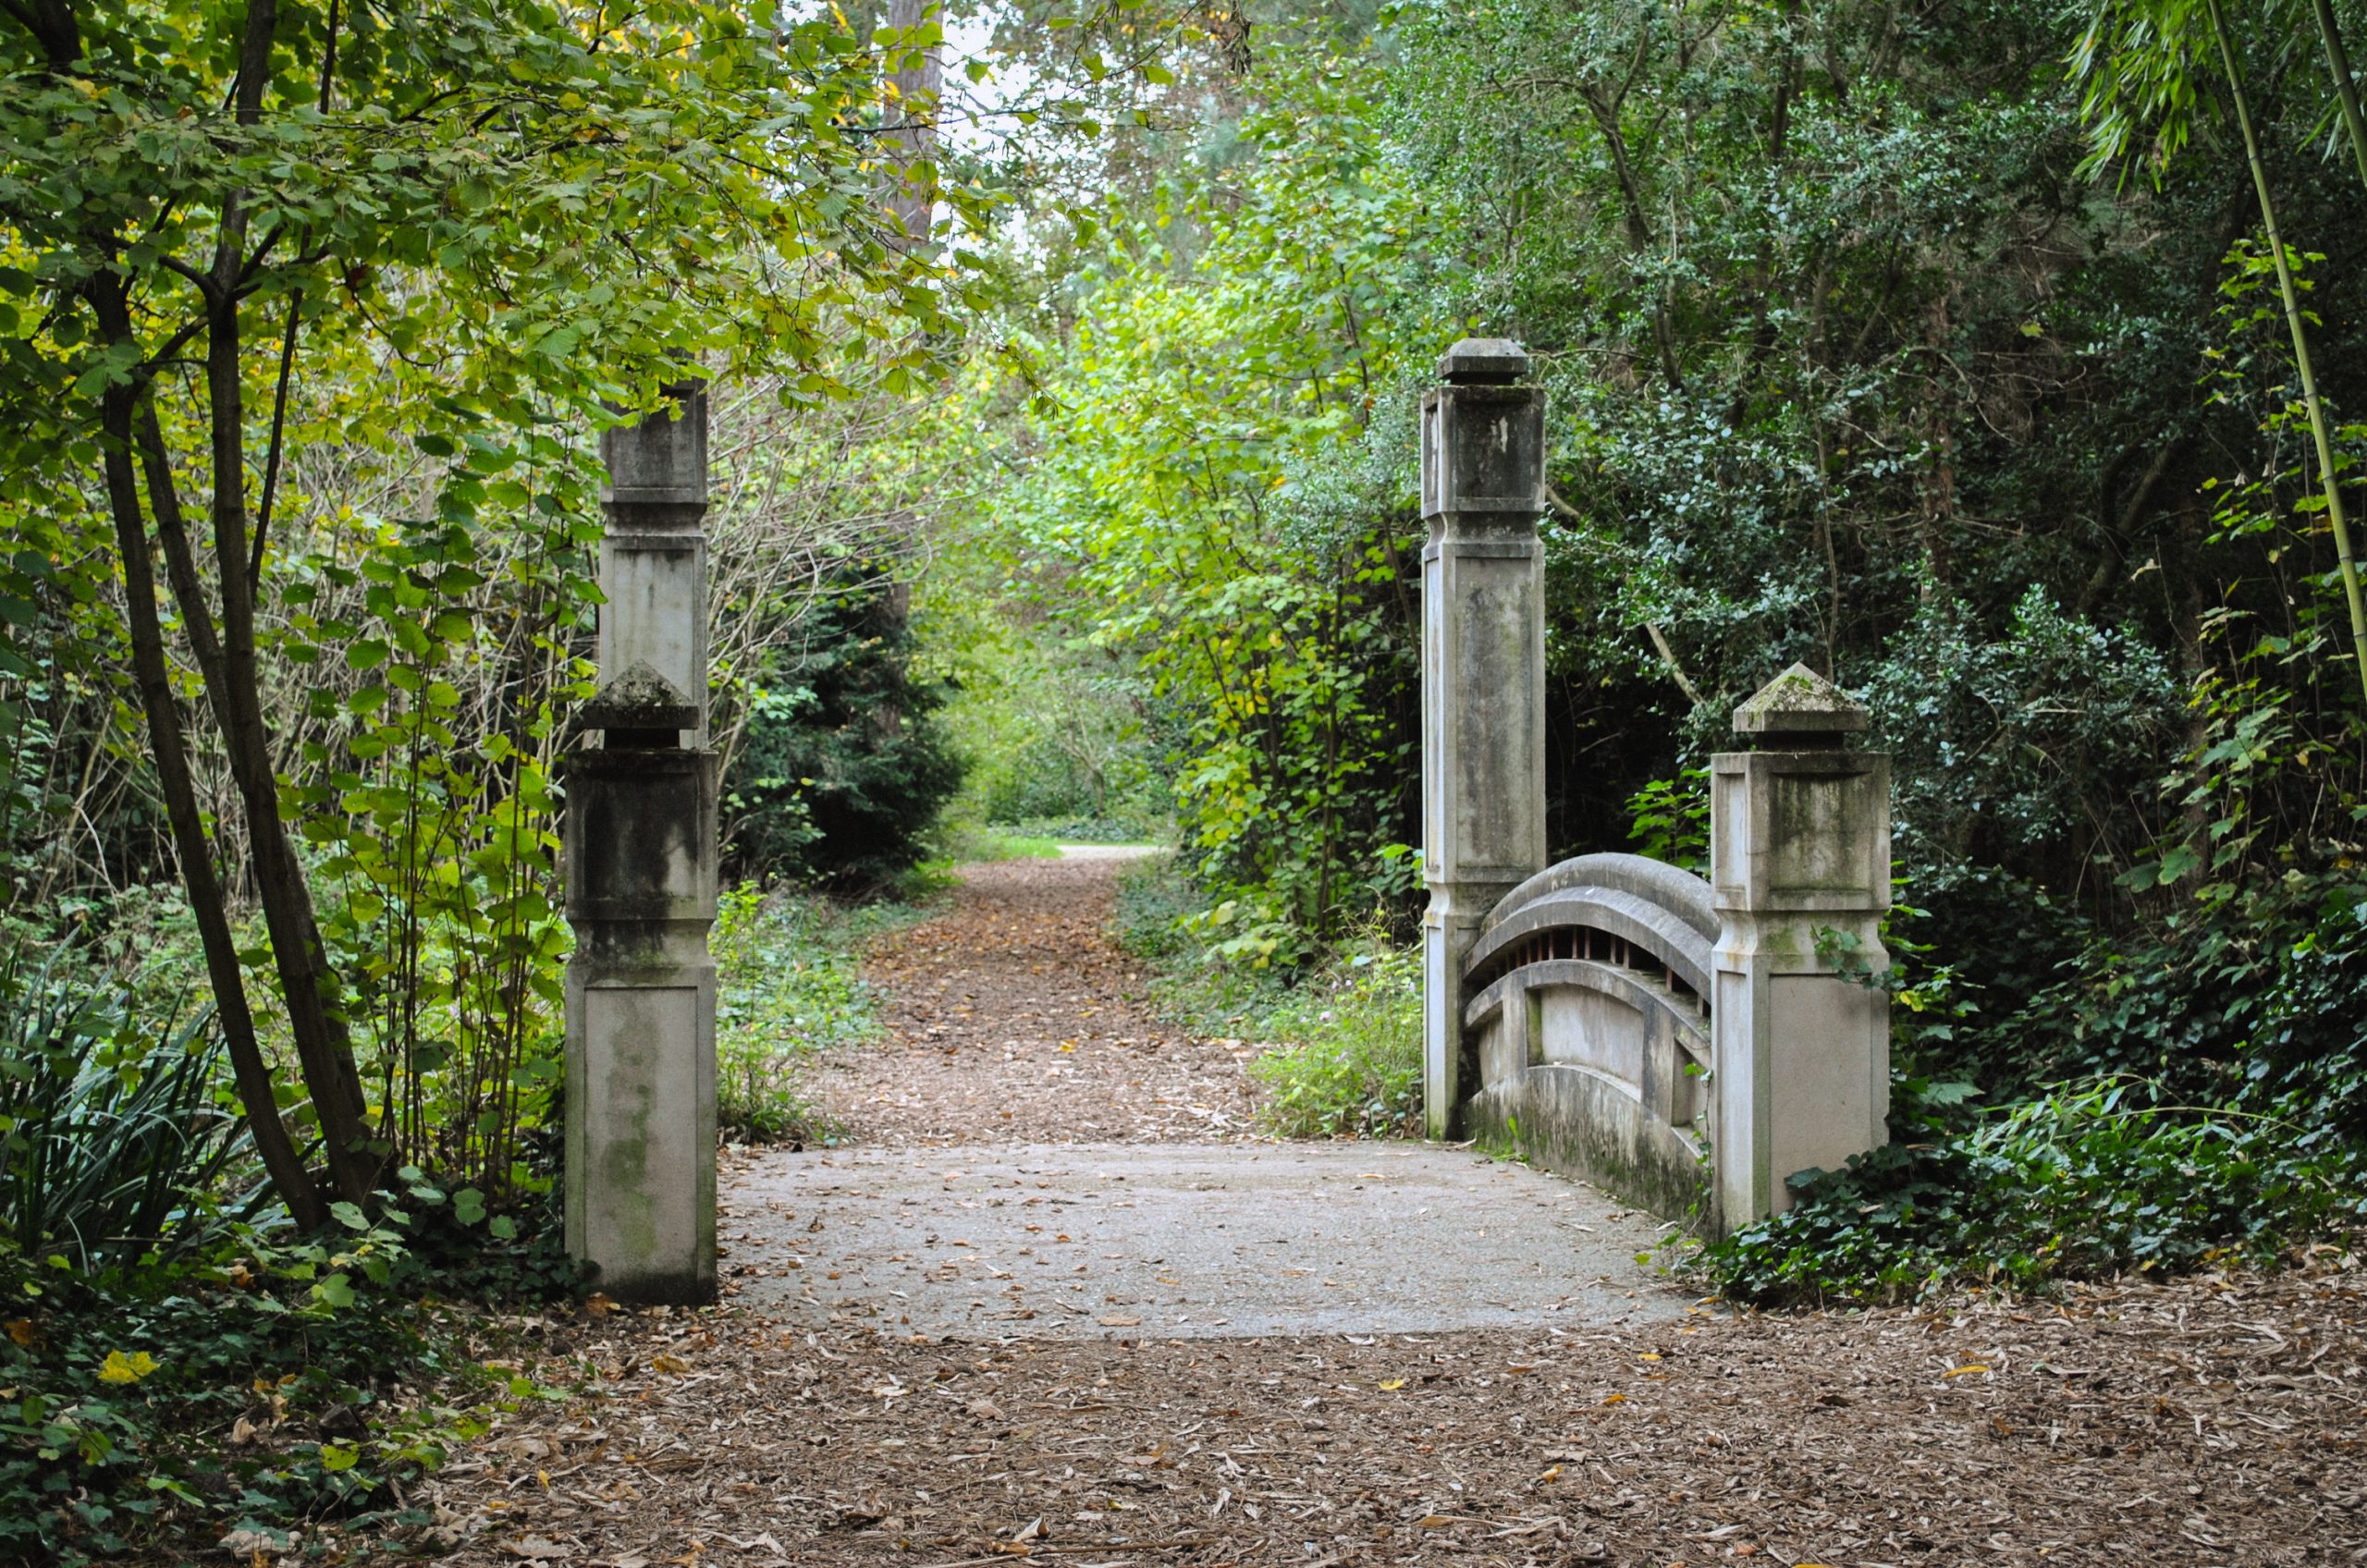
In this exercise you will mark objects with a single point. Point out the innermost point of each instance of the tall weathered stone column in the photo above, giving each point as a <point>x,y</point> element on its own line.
<point>1483,677</point>
<point>1799,844</point>
<point>641,886</point>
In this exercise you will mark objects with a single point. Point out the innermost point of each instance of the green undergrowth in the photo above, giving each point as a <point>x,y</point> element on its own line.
<point>2090,1179</point>
<point>1347,1054</point>
<point>1156,906</point>
<point>961,842</point>
<point>1132,828</point>
<point>788,985</point>
<point>2213,1108</point>
<point>1343,1036</point>
<point>176,1362</point>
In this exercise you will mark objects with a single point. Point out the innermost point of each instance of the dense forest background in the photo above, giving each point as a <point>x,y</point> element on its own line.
<point>1065,363</point>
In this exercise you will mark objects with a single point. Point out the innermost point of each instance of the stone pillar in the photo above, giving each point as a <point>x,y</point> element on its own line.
<point>1483,678</point>
<point>641,886</point>
<point>1799,846</point>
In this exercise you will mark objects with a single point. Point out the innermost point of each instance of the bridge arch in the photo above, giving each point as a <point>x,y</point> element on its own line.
<point>1587,1020</point>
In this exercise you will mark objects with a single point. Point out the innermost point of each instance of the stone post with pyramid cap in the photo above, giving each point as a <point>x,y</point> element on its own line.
<point>1483,679</point>
<point>641,885</point>
<point>1799,870</point>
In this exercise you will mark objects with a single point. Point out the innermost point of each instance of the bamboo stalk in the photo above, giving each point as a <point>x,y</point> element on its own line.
<point>2296,323</point>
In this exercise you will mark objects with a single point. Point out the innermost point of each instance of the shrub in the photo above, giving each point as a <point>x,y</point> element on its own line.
<point>1161,921</point>
<point>2090,1179</point>
<point>840,767</point>
<point>1350,1060</point>
<point>788,985</point>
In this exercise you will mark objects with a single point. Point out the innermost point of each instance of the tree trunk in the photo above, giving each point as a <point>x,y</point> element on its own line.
<point>257,1090</point>
<point>920,80</point>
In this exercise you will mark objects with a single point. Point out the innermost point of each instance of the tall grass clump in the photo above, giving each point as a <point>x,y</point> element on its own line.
<point>116,1140</point>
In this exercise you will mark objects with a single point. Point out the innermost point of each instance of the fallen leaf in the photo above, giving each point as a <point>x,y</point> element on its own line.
<point>597,1306</point>
<point>1616,1398</point>
<point>534,1549</point>
<point>671,1364</point>
<point>22,1330</point>
<point>1960,1371</point>
<point>122,1368</point>
<point>1121,1320</point>
<point>1393,1384</point>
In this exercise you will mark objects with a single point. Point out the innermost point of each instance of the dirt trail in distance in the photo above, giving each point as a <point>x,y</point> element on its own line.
<point>1013,1018</point>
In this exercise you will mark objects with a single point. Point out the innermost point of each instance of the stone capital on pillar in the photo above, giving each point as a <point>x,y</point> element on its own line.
<point>1799,855</point>
<point>1483,677</point>
<point>653,558</point>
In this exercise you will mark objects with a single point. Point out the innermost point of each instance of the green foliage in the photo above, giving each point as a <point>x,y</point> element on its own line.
<point>841,768</point>
<point>1201,502</point>
<point>116,1140</point>
<point>2089,1179</point>
<point>1668,819</point>
<point>431,814</point>
<point>323,267</point>
<point>964,843</point>
<point>1157,921</point>
<point>1057,736</point>
<point>2221,1108</point>
<point>142,1312</point>
<point>1349,1059</point>
<point>789,986</point>
<point>128,1381</point>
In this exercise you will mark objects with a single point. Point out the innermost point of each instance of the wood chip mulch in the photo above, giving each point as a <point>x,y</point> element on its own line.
<point>2212,1420</point>
<point>1012,1018</point>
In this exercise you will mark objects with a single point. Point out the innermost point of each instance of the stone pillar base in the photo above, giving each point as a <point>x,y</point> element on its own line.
<point>640,1194</point>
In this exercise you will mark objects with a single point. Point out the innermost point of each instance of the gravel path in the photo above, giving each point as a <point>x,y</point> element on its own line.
<point>2213,1421</point>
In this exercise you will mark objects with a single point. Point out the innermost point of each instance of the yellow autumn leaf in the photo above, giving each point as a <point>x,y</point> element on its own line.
<point>1960,1371</point>
<point>122,1368</point>
<point>1393,1384</point>
<point>672,1364</point>
<point>1648,1356</point>
<point>1616,1398</point>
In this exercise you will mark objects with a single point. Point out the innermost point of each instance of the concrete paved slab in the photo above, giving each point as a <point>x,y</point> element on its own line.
<point>1184,1241</point>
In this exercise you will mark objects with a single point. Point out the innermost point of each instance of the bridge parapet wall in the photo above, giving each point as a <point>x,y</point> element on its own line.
<point>1588,1029</point>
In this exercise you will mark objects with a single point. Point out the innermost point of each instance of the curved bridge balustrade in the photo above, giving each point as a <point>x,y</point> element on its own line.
<point>1587,1022</point>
